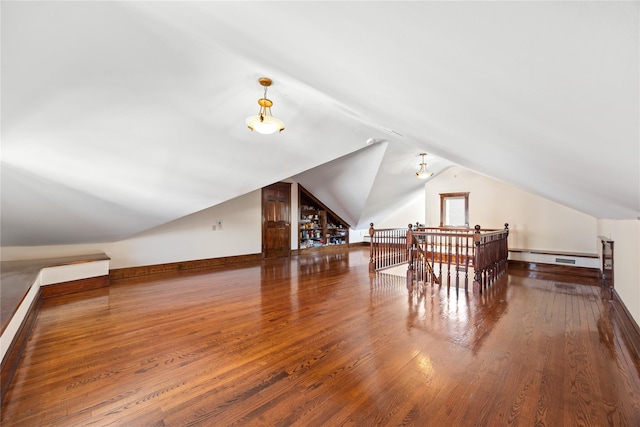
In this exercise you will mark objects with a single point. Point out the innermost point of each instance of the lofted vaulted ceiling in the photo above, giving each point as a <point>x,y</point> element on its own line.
<point>121,116</point>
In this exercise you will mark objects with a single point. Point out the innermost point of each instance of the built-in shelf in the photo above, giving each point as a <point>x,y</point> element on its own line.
<point>319,227</point>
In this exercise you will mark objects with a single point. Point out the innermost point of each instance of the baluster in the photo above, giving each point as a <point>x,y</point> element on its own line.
<point>449,237</point>
<point>432,257</point>
<point>385,249</point>
<point>505,248</point>
<point>457,259</point>
<point>466,263</point>
<point>372,266</point>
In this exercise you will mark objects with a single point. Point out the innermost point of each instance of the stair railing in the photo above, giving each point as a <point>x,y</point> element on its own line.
<point>388,247</point>
<point>442,255</point>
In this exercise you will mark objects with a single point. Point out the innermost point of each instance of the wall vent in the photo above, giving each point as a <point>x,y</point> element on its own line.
<point>565,261</point>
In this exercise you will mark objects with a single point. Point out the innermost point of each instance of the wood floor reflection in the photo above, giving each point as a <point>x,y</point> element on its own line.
<point>318,341</point>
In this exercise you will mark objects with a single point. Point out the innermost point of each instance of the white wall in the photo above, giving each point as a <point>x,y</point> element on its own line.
<point>626,261</point>
<point>534,222</point>
<point>409,213</point>
<point>193,237</point>
<point>188,238</point>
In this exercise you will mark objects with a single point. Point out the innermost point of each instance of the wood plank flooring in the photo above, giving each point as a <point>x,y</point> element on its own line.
<point>316,340</point>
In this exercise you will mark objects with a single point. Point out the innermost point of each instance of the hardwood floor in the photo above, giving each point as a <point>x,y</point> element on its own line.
<point>317,341</point>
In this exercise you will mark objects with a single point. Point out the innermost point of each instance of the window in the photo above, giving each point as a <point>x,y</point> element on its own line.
<point>454,209</point>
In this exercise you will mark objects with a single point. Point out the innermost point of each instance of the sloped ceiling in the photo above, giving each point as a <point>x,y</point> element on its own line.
<point>121,116</point>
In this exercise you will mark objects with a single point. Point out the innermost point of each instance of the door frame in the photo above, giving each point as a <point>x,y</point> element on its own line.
<point>285,186</point>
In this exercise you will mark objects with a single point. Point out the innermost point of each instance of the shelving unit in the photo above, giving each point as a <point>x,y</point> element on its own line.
<point>319,227</point>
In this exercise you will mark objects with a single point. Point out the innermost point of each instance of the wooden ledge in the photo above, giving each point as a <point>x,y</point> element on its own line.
<point>540,270</point>
<point>23,288</point>
<point>18,276</point>
<point>549,252</point>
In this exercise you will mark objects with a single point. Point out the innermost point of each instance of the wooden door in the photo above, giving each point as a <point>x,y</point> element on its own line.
<point>276,220</point>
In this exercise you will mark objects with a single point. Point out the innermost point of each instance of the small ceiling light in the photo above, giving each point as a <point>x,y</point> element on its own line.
<point>264,122</point>
<point>423,172</point>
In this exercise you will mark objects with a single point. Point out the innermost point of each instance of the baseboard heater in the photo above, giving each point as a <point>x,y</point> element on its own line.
<point>555,257</point>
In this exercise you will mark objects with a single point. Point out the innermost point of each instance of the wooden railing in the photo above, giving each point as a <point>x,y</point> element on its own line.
<point>388,247</point>
<point>442,255</point>
<point>491,254</point>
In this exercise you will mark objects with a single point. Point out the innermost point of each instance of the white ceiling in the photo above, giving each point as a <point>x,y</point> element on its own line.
<point>121,116</point>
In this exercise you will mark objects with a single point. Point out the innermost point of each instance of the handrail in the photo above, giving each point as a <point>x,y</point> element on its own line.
<point>491,254</point>
<point>419,260</point>
<point>388,247</point>
<point>452,251</point>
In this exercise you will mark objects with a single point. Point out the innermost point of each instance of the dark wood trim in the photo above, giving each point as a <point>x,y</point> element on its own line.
<point>464,195</point>
<point>628,326</point>
<point>73,286</point>
<point>593,274</point>
<point>175,267</point>
<point>17,346</point>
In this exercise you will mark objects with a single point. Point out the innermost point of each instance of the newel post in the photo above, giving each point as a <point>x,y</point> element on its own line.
<point>410,255</point>
<point>409,236</point>
<point>505,248</point>
<point>410,246</point>
<point>477,273</point>
<point>372,231</point>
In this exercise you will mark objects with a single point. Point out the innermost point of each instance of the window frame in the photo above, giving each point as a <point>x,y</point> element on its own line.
<point>458,195</point>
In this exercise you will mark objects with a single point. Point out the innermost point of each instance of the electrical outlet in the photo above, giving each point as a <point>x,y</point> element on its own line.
<point>213,227</point>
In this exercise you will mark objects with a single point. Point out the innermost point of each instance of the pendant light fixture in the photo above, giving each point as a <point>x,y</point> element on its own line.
<point>423,172</point>
<point>264,122</point>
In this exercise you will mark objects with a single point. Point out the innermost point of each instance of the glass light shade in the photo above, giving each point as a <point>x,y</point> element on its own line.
<point>265,124</point>
<point>423,173</point>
